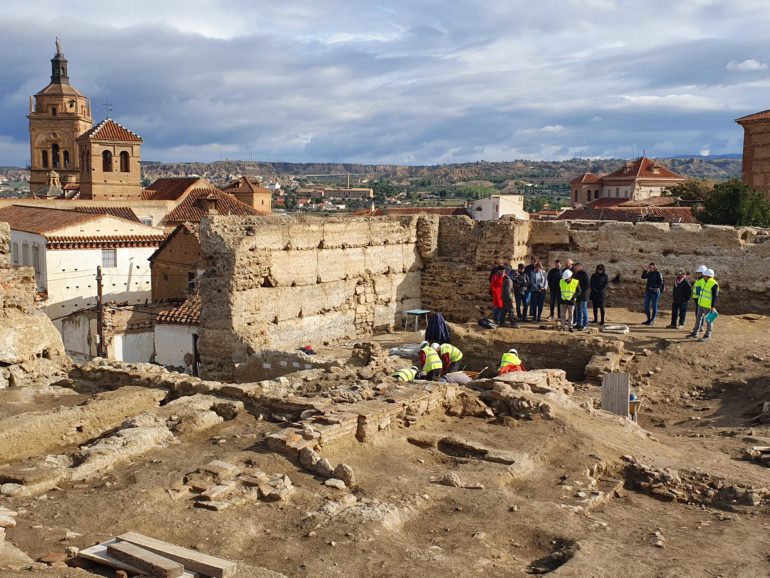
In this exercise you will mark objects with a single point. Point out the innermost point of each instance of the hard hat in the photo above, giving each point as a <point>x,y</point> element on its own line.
<point>435,346</point>
<point>424,344</point>
<point>708,273</point>
<point>513,351</point>
<point>566,275</point>
<point>700,269</point>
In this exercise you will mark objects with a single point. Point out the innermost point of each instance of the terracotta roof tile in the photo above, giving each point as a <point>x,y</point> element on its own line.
<point>103,242</point>
<point>108,129</point>
<point>630,214</point>
<point>188,313</point>
<point>191,211</point>
<point>641,168</point>
<point>126,213</point>
<point>764,115</point>
<point>605,202</point>
<point>41,220</point>
<point>169,188</point>
<point>585,179</point>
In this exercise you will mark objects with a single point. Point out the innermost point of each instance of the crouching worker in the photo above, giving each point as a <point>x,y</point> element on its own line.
<point>430,362</point>
<point>450,357</point>
<point>407,374</point>
<point>510,362</point>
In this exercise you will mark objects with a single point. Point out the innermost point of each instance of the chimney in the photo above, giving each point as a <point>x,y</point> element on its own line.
<point>209,204</point>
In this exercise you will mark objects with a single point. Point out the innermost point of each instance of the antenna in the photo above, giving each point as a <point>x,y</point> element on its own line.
<point>107,105</point>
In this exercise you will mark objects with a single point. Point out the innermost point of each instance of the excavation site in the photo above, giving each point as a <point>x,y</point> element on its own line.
<point>624,449</point>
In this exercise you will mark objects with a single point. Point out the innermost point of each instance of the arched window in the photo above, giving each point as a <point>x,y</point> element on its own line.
<point>107,161</point>
<point>55,155</point>
<point>66,159</point>
<point>124,162</point>
<point>45,159</point>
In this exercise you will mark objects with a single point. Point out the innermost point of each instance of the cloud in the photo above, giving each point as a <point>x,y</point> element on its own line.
<point>749,65</point>
<point>421,82</point>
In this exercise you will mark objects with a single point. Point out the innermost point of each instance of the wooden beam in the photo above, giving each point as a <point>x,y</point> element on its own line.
<point>148,562</point>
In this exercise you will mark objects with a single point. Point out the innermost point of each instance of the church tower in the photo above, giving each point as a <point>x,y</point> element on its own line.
<point>58,114</point>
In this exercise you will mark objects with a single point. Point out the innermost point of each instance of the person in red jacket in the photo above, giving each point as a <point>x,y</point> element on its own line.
<point>496,291</point>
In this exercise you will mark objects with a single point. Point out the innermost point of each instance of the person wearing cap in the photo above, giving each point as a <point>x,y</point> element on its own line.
<point>680,296</point>
<point>568,290</point>
<point>450,356</point>
<point>407,374</point>
<point>652,291</point>
<point>707,301</point>
<point>430,362</point>
<point>509,362</point>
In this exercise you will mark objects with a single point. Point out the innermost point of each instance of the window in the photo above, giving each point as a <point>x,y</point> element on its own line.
<point>66,159</point>
<point>36,257</point>
<point>25,253</point>
<point>146,221</point>
<point>109,258</point>
<point>53,111</point>
<point>192,281</point>
<point>124,162</point>
<point>107,161</point>
<point>15,253</point>
<point>45,159</point>
<point>55,155</point>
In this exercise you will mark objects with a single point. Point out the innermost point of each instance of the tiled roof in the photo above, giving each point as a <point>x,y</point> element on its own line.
<point>188,313</point>
<point>191,228</point>
<point>126,213</point>
<point>103,242</point>
<point>585,179</point>
<point>651,202</point>
<point>41,220</point>
<point>641,168</point>
<point>108,129</point>
<point>71,186</point>
<point>605,202</point>
<point>190,210</point>
<point>169,188</point>
<point>764,115</point>
<point>630,214</point>
<point>245,185</point>
<point>446,211</point>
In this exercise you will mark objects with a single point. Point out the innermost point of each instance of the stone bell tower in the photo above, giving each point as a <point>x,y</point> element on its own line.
<point>58,114</point>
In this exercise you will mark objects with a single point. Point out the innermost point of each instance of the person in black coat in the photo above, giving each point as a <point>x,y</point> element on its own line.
<point>554,276</point>
<point>681,294</point>
<point>655,286</point>
<point>599,284</point>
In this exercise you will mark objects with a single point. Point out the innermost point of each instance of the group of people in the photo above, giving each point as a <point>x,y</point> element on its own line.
<point>568,288</point>
<point>438,360</point>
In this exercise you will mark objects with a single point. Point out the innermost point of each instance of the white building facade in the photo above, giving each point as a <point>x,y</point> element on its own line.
<point>496,206</point>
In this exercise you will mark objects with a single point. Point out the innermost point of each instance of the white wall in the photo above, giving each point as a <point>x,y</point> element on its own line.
<point>492,208</point>
<point>19,238</point>
<point>172,342</point>
<point>76,332</point>
<point>133,347</point>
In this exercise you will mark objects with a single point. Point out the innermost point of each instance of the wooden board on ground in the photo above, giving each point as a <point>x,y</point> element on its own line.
<point>616,388</point>
<point>99,555</point>
<point>190,559</point>
<point>149,562</point>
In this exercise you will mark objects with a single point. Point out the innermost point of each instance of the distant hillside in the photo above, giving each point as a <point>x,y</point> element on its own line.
<point>698,167</point>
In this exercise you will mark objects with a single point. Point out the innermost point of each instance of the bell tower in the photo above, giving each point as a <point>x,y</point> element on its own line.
<point>58,114</point>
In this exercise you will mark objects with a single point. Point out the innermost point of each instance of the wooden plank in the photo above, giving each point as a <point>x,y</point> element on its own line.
<point>616,388</point>
<point>192,560</point>
<point>149,562</point>
<point>99,555</point>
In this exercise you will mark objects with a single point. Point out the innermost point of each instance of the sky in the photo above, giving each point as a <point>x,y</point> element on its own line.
<point>402,82</point>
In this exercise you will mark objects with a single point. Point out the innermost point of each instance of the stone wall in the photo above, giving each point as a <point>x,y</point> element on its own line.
<point>30,347</point>
<point>279,283</point>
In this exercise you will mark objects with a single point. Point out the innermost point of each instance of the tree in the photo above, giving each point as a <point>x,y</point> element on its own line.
<point>690,190</point>
<point>735,203</point>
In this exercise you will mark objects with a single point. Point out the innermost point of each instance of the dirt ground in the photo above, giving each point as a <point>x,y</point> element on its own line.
<point>540,514</point>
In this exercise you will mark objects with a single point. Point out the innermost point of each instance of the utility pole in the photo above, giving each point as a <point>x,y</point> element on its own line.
<point>100,351</point>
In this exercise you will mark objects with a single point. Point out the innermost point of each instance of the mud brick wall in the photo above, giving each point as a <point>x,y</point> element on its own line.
<point>739,255</point>
<point>279,283</point>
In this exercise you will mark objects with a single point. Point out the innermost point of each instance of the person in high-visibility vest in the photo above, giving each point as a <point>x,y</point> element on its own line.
<point>696,288</point>
<point>509,362</point>
<point>707,301</point>
<point>568,289</point>
<point>430,362</point>
<point>407,374</point>
<point>450,356</point>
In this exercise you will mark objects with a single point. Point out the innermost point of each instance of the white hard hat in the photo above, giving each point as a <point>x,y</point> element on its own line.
<point>513,351</point>
<point>700,269</point>
<point>566,275</point>
<point>435,345</point>
<point>708,273</point>
<point>424,344</point>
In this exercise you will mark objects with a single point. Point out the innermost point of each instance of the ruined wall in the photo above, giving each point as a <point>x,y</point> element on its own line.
<point>280,283</point>
<point>30,346</point>
<point>739,255</point>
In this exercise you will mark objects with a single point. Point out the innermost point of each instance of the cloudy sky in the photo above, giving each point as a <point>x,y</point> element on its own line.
<point>403,81</point>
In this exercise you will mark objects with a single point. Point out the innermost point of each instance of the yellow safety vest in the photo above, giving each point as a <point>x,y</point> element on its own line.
<point>432,360</point>
<point>509,359</point>
<point>407,374</point>
<point>568,289</point>
<point>697,287</point>
<point>707,293</point>
<point>455,354</point>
